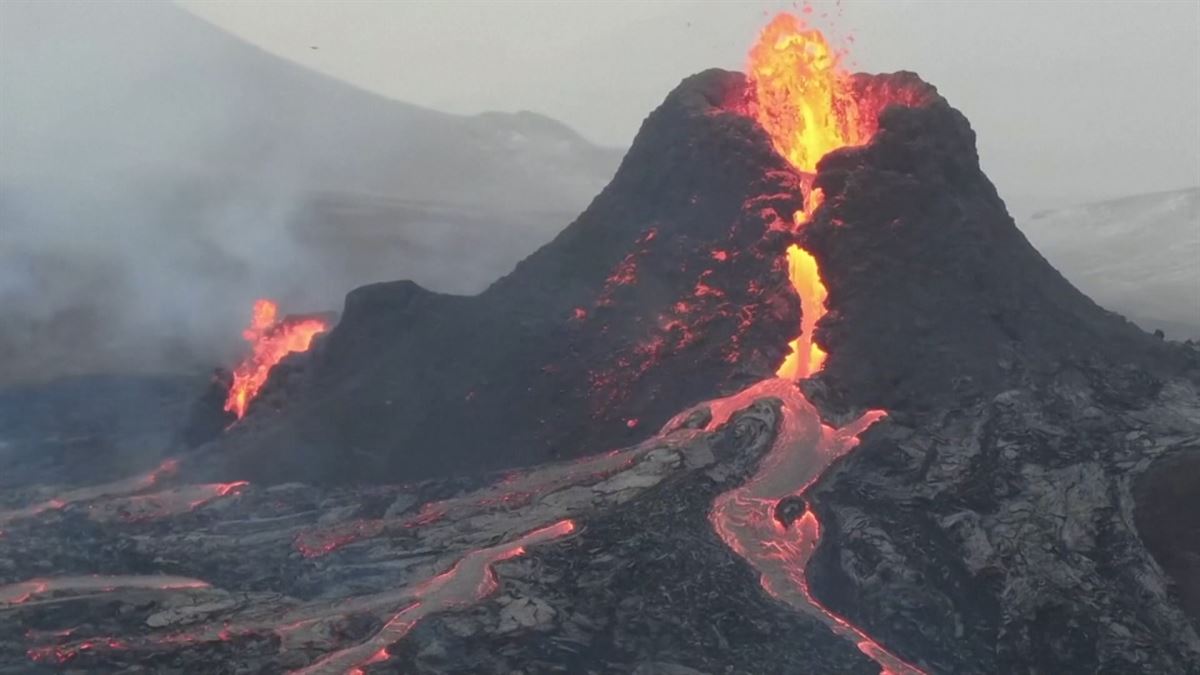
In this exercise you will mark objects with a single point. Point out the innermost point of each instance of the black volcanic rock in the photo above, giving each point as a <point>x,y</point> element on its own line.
<point>670,288</point>
<point>207,417</point>
<point>1000,536</point>
<point>935,296</point>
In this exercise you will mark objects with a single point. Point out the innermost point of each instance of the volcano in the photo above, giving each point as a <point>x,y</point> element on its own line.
<point>673,287</point>
<point>792,395</point>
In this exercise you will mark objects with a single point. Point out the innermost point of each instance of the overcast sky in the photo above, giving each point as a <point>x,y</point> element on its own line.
<point>1072,101</point>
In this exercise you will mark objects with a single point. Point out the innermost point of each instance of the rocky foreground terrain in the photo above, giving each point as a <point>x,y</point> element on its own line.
<point>999,538</point>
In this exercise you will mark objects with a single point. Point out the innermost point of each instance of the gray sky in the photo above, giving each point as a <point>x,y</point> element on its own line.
<point>1072,101</point>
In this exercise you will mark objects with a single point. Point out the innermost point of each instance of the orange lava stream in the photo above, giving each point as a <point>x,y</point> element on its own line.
<point>271,339</point>
<point>470,579</point>
<point>804,101</point>
<point>806,357</point>
<point>164,504</point>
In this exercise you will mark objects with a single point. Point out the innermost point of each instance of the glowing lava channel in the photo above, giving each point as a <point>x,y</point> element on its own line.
<point>22,592</point>
<point>125,486</point>
<point>470,579</point>
<point>270,340</point>
<point>806,105</point>
<point>745,519</point>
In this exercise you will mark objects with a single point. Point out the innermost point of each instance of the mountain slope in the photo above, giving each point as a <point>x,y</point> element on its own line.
<point>1136,256</point>
<point>158,174</point>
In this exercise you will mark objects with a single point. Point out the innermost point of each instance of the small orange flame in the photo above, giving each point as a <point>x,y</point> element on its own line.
<point>271,339</point>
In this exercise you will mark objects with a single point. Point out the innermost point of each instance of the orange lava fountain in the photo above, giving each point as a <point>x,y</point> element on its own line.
<point>802,96</point>
<point>803,99</point>
<point>271,339</point>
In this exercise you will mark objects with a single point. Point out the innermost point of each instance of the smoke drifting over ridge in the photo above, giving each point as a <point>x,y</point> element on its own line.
<point>157,175</point>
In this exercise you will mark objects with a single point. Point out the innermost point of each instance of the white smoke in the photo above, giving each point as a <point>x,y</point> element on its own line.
<point>157,175</point>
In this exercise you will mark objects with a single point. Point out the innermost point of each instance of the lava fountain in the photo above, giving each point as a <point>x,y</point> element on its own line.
<point>806,103</point>
<point>270,340</point>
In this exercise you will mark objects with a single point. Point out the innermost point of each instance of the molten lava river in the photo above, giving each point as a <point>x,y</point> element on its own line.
<point>804,100</point>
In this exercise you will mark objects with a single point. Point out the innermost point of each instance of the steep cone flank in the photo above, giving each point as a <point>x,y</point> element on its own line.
<point>934,294</point>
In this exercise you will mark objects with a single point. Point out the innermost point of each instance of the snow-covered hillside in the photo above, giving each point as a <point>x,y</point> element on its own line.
<point>1139,255</point>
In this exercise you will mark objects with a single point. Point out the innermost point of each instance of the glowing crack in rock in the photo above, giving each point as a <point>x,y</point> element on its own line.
<point>271,339</point>
<point>806,357</point>
<point>516,490</point>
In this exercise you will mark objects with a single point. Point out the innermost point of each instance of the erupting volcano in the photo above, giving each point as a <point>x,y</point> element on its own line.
<point>890,437</point>
<point>271,339</point>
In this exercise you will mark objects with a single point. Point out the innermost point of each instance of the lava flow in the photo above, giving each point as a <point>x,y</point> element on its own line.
<point>125,486</point>
<point>806,104</point>
<point>469,580</point>
<point>22,592</point>
<point>270,340</point>
<point>518,489</point>
<point>164,504</point>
